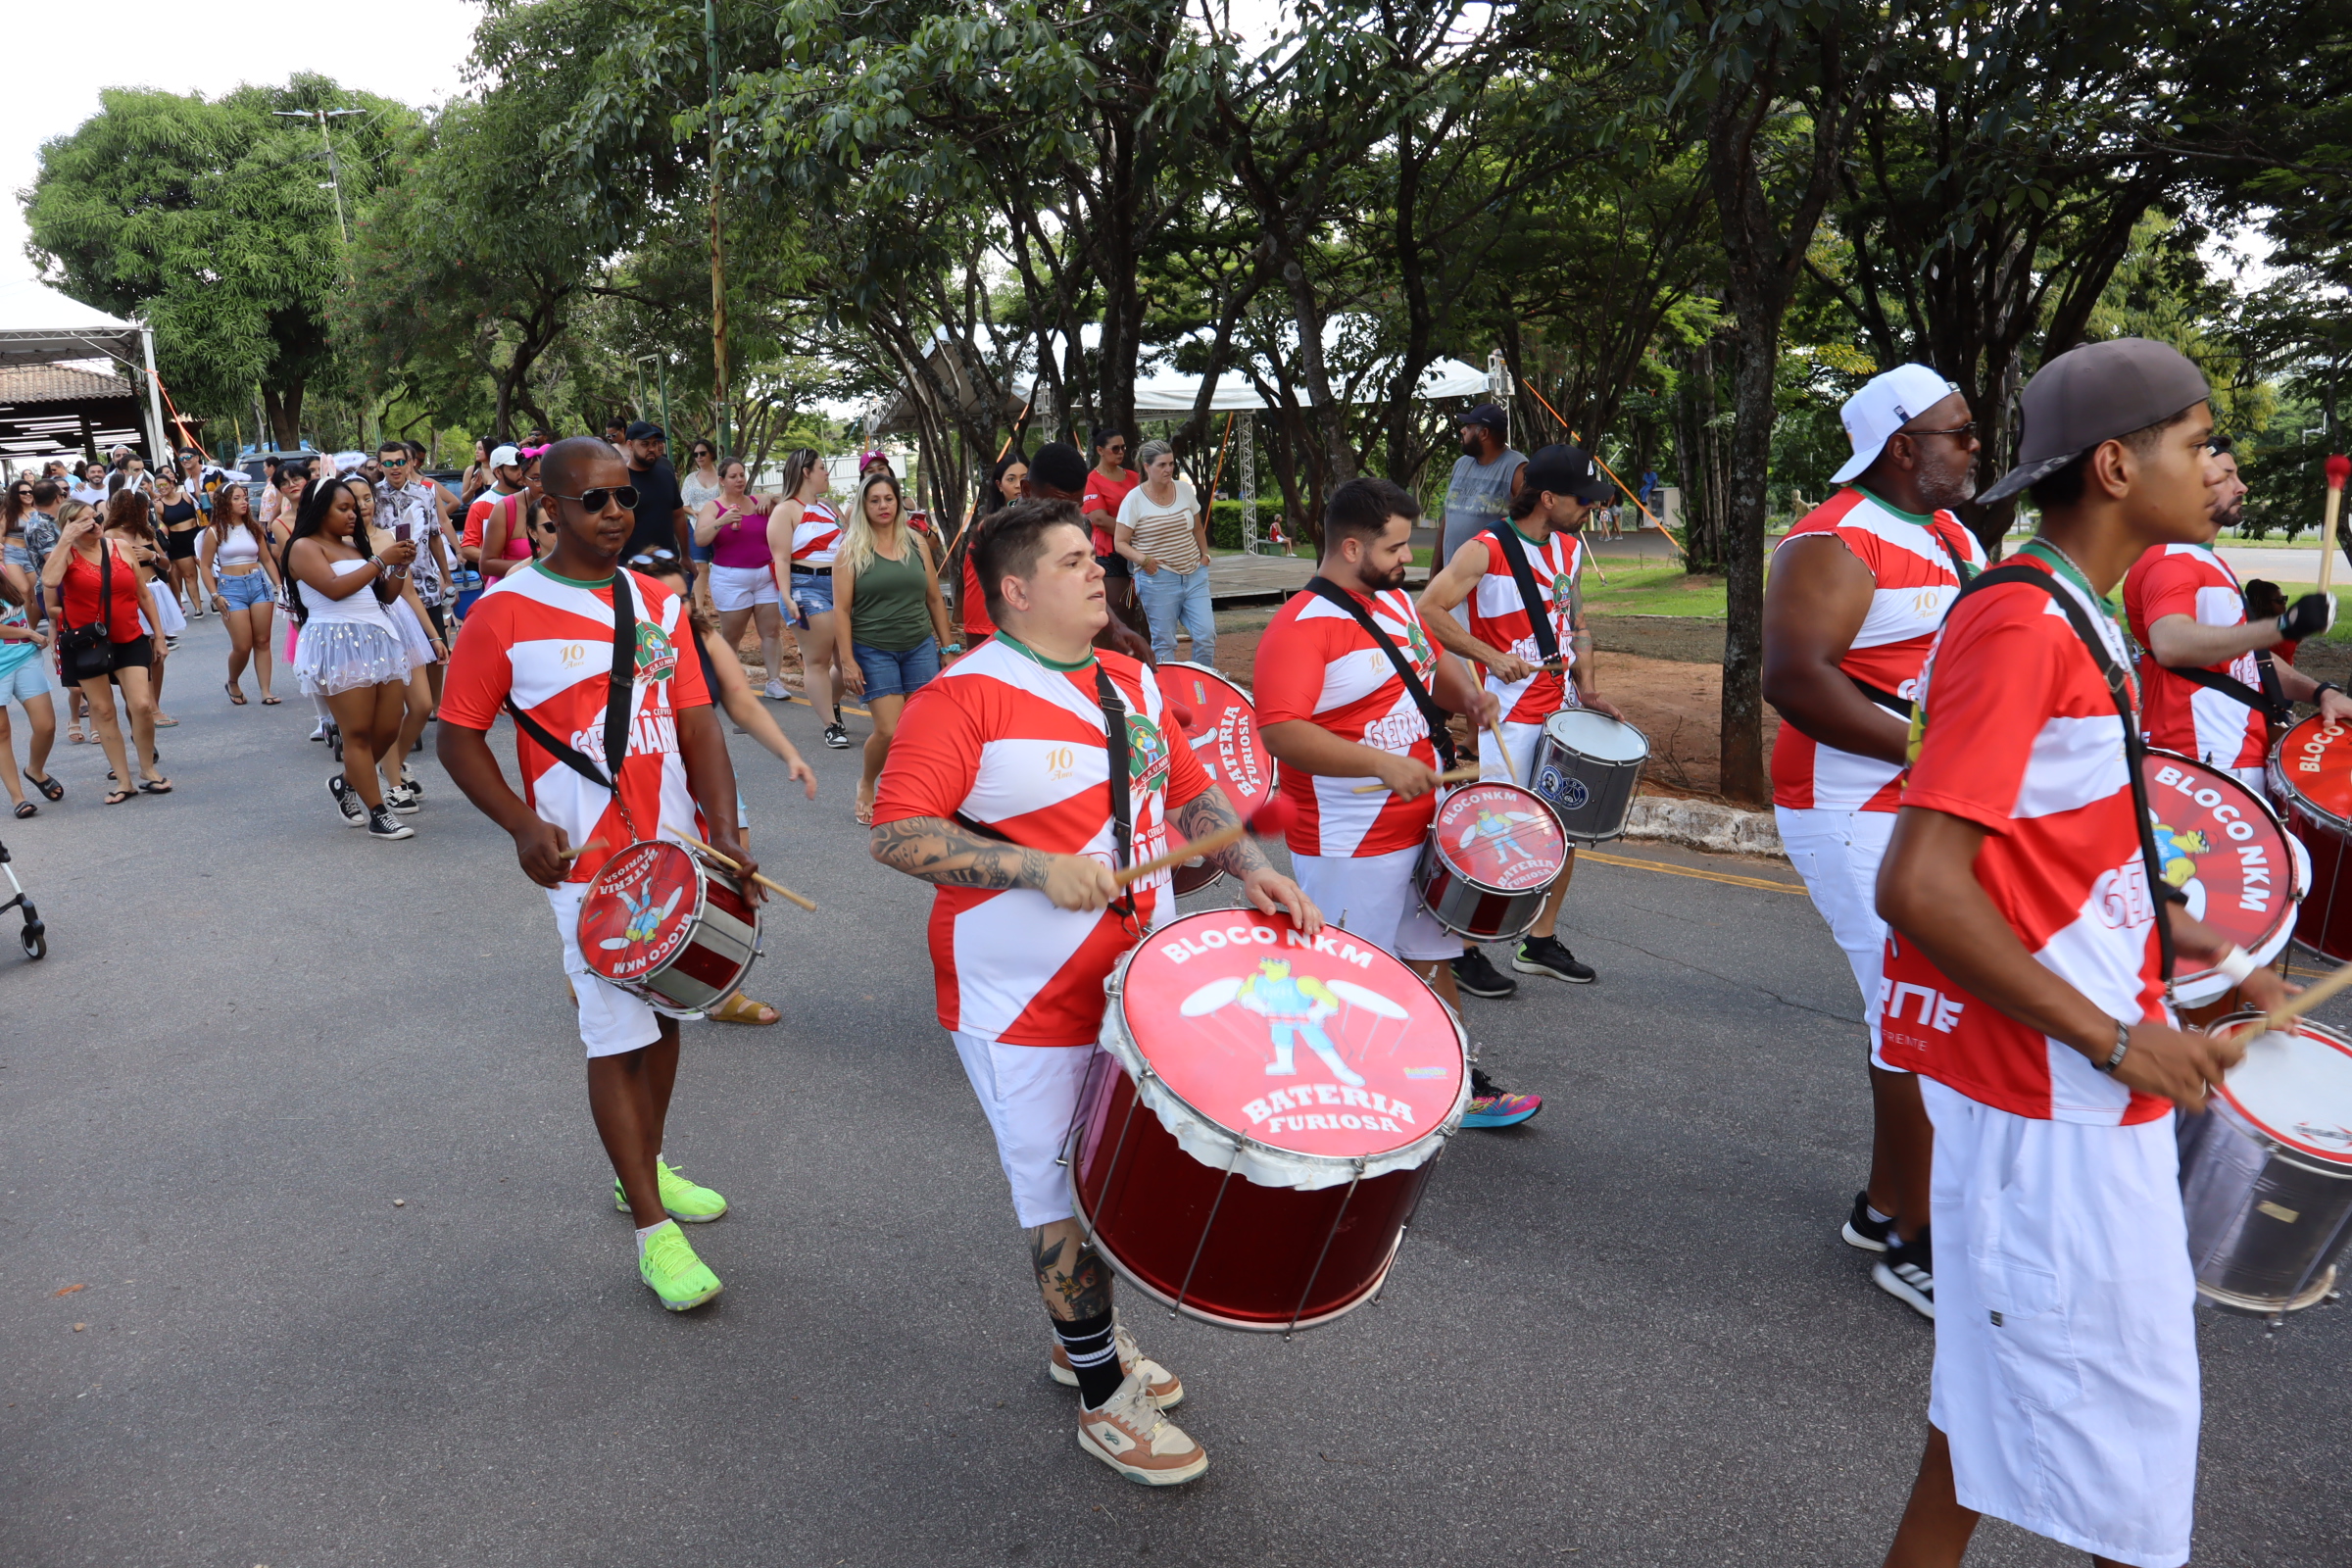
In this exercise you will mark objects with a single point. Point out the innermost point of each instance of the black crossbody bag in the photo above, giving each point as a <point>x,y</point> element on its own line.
<point>2119,690</point>
<point>619,699</point>
<point>1439,737</point>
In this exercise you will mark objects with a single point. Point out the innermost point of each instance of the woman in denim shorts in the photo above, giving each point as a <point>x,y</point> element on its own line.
<point>239,572</point>
<point>891,620</point>
<point>24,679</point>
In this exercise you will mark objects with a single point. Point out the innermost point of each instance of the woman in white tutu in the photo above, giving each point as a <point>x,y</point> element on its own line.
<point>349,651</point>
<point>425,650</point>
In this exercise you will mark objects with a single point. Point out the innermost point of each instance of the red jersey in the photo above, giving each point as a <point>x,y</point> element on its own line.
<point>2019,736</point>
<point>546,641</point>
<point>816,537</point>
<point>476,516</point>
<point>1914,582</point>
<point>1498,618</point>
<point>1102,498</point>
<point>122,601</point>
<point>1017,746</point>
<point>1315,664</point>
<point>2180,716</point>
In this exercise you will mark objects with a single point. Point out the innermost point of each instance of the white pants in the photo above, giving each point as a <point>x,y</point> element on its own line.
<point>611,1020</point>
<point>1029,1094</point>
<point>1838,854</point>
<point>2066,1346</point>
<point>1372,896</point>
<point>742,587</point>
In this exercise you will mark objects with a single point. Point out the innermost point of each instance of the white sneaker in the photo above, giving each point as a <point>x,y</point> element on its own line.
<point>776,691</point>
<point>1129,1434</point>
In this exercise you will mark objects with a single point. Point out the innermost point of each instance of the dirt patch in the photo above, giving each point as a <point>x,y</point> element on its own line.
<point>1687,639</point>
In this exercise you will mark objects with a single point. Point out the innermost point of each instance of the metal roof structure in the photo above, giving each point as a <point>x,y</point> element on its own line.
<point>47,406</point>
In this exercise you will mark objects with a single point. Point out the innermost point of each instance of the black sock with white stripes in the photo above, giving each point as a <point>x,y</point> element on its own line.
<point>1092,1345</point>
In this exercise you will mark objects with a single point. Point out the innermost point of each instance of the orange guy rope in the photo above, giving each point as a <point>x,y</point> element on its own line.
<point>1606,468</point>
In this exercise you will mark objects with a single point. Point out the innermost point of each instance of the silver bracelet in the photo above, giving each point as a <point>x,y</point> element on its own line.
<point>2123,1042</point>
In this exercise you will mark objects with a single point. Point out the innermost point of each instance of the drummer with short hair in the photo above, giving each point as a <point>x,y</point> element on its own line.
<point>1335,712</point>
<point>1000,791</point>
<point>1518,640</point>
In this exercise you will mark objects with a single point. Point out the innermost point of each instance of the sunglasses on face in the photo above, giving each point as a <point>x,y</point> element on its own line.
<point>593,501</point>
<point>394,463</point>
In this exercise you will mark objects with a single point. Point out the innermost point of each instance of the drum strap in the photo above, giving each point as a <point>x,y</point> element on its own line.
<point>2270,701</point>
<point>1538,615</point>
<point>1439,737</point>
<point>2118,689</point>
<point>1900,707</point>
<point>620,698</point>
<point>1116,767</point>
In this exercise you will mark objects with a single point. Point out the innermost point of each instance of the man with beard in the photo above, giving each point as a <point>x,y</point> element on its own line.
<point>2209,686</point>
<point>1485,478</point>
<point>1851,609</point>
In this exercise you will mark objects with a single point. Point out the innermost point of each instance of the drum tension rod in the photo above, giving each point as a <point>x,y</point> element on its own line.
<point>1206,1226</point>
<point>1411,1214</point>
<point>1300,1310</point>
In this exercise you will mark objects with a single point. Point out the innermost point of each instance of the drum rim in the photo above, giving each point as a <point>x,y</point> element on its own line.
<point>702,896</point>
<point>1544,733</point>
<point>1428,1146</point>
<point>2318,1161</point>
<point>1567,846</point>
<point>2273,771</point>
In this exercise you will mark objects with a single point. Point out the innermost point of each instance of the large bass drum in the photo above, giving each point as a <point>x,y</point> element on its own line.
<point>665,926</point>
<point>2224,849</point>
<point>2266,1173</point>
<point>1217,719</point>
<point>1255,1134</point>
<point>2311,778</point>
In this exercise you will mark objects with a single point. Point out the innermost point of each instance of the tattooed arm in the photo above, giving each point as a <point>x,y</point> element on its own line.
<point>941,851</point>
<point>1268,889</point>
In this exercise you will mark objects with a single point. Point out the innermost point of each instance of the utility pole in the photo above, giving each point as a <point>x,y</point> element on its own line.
<point>718,256</point>
<point>335,178</point>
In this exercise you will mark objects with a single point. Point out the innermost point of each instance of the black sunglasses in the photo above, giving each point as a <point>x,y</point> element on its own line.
<point>593,501</point>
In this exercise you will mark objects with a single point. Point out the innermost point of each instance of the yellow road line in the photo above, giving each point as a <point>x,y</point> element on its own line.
<point>1690,870</point>
<point>791,695</point>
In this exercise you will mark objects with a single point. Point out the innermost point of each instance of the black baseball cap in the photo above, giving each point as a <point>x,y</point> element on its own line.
<point>1489,415</point>
<point>1565,470</point>
<point>2097,393</point>
<point>646,430</point>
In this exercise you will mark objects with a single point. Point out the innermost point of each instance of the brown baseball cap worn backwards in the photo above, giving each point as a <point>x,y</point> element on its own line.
<point>2096,393</point>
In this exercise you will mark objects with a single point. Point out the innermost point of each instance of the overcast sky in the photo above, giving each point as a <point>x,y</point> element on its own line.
<point>61,54</point>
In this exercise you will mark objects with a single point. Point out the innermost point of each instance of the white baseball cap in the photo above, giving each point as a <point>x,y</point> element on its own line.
<point>505,457</point>
<point>1886,404</point>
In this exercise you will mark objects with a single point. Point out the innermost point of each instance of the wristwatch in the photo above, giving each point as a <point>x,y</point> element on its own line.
<point>2123,1042</point>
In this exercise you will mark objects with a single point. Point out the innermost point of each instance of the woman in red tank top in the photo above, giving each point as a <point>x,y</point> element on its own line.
<point>109,591</point>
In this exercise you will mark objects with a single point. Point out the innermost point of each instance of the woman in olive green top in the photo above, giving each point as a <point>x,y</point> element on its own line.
<point>889,618</point>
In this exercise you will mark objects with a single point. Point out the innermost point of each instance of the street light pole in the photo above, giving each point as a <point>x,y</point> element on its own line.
<point>718,263</point>
<point>335,178</point>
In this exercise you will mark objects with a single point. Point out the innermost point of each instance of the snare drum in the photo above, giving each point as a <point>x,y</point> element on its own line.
<point>2224,848</point>
<point>2266,1173</point>
<point>1493,853</point>
<point>1223,731</point>
<point>1588,768</point>
<point>1257,1131</point>
<point>2311,778</point>
<point>664,926</point>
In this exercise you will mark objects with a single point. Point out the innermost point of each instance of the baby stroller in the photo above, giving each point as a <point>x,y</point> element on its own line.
<point>34,936</point>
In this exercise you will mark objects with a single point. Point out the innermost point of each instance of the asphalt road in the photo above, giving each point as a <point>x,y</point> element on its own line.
<point>1626,1334</point>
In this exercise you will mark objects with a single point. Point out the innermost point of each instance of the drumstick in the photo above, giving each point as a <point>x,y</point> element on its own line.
<point>2295,1006</point>
<point>579,849</point>
<point>1459,775</point>
<point>2340,468</point>
<point>1273,818</point>
<point>768,883</point>
<point>1495,728</point>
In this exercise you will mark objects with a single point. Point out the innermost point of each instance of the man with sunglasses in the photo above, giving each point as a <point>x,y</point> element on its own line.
<point>1851,609</point>
<point>403,497</point>
<point>538,645</point>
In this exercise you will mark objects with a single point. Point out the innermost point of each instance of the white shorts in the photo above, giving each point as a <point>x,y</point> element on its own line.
<point>1372,897</point>
<point>1520,741</point>
<point>612,1021</point>
<point>1029,1094</point>
<point>2066,1345</point>
<point>1838,854</point>
<point>742,587</point>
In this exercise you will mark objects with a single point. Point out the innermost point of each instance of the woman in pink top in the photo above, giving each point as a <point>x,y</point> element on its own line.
<point>516,521</point>
<point>733,525</point>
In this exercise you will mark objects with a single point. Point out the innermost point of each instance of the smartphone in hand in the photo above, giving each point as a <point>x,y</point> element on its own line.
<point>401,531</point>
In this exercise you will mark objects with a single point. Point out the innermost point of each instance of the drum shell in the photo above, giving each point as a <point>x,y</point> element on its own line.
<point>1222,1248</point>
<point>723,940</point>
<point>1469,907</point>
<point>1610,788</point>
<point>2239,1190</point>
<point>2323,923</point>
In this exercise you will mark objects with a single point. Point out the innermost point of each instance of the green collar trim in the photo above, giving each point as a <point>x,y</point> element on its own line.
<point>1015,643</point>
<point>1921,520</point>
<point>540,568</point>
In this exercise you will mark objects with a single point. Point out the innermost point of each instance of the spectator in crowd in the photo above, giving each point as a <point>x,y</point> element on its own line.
<point>239,572</point>
<point>890,621</point>
<point>91,492</point>
<point>660,509</point>
<point>731,533</point>
<point>102,601</point>
<point>506,479</point>
<point>1164,534</point>
<point>1485,478</point>
<point>24,681</point>
<point>40,529</point>
<point>512,528</point>
<point>130,524</point>
<point>350,653</point>
<point>804,542</point>
<point>1106,486</point>
<point>15,511</point>
<point>182,519</point>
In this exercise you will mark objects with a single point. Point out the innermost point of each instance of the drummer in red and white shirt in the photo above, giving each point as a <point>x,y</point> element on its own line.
<point>2205,691</point>
<point>539,644</point>
<point>2025,984</point>
<point>1558,488</point>
<point>997,791</point>
<point>1856,592</point>
<point>1334,712</point>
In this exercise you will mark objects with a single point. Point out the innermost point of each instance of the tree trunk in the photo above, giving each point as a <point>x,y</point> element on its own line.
<point>1740,763</point>
<point>1698,449</point>
<point>284,404</point>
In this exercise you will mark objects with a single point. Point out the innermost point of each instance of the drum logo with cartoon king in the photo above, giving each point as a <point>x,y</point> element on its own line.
<point>2217,850</point>
<point>635,913</point>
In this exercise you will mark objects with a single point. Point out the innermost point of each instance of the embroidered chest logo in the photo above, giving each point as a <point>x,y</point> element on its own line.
<point>656,654</point>
<point>1146,752</point>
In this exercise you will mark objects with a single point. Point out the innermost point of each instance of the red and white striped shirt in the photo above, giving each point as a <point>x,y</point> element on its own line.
<point>546,641</point>
<point>1498,618</point>
<point>2180,716</point>
<point>2020,736</point>
<point>1018,748</point>
<point>1315,664</point>
<point>816,537</point>
<point>1911,560</point>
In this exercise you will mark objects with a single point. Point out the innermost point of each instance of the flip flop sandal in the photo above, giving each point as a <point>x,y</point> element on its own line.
<point>26,809</point>
<point>117,796</point>
<point>155,785</point>
<point>739,1008</point>
<point>235,697</point>
<point>162,722</point>
<point>51,789</point>
<point>272,702</point>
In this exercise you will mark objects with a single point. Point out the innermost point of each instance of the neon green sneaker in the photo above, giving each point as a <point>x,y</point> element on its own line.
<point>667,1265</point>
<point>687,1203</point>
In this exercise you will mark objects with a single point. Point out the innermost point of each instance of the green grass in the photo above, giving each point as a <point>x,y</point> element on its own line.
<point>1653,591</point>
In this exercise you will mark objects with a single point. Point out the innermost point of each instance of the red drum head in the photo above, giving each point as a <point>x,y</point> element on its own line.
<point>2313,764</point>
<point>1324,1047</point>
<point>1501,836</point>
<point>2220,846</point>
<point>1223,732</point>
<point>639,911</point>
